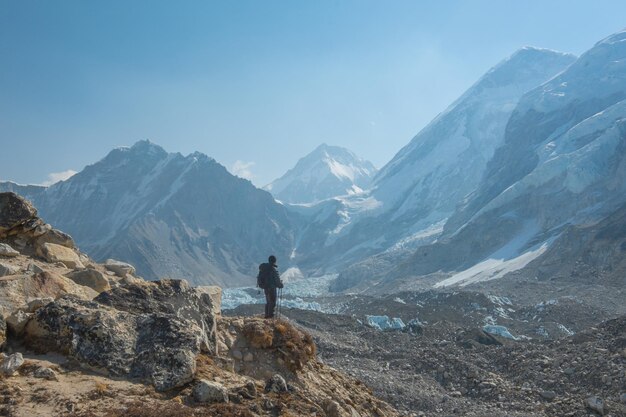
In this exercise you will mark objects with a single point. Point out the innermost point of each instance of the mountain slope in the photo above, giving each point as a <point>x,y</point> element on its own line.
<point>328,171</point>
<point>563,163</point>
<point>170,215</point>
<point>414,194</point>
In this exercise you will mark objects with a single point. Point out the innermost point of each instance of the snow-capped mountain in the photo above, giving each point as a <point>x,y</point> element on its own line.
<point>414,194</point>
<point>170,215</point>
<point>327,172</point>
<point>562,164</point>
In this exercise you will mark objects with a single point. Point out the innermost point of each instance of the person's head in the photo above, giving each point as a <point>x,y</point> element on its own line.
<point>272,260</point>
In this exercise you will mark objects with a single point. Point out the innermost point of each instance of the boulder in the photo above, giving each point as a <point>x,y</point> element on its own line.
<point>333,409</point>
<point>171,297</point>
<point>16,291</point>
<point>53,253</point>
<point>6,269</point>
<point>476,337</point>
<point>17,320</point>
<point>120,268</point>
<point>155,345</point>
<point>41,229</point>
<point>45,373</point>
<point>215,294</point>
<point>11,364</point>
<point>276,384</point>
<point>14,211</point>
<point>55,237</point>
<point>90,278</point>
<point>7,250</point>
<point>596,404</point>
<point>36,303</point>
<point>34,268</point>
<point>209,392</point>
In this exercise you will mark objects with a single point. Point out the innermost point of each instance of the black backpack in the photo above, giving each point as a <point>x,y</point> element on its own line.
<point>264,276</point>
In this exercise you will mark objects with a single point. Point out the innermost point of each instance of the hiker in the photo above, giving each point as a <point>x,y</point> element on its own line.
<point>269,280</point>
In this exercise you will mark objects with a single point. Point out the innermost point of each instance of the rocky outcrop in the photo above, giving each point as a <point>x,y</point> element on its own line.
<point>8,251</point>
<point>52,252</point>
<point>175,298</point>
<point>153,331</point>
<point>209,392</point>
<point>11,364</point>
<point>16,291</point>
<point>121,269</point>
<point>156,347</point>
<point>215,294</point>
<point>15,211</point>
<point>91,278</point>
<point>7,269</point>
<point>23,230</point>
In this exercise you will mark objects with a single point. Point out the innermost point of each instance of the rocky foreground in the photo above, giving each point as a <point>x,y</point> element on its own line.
<point>85,339</point>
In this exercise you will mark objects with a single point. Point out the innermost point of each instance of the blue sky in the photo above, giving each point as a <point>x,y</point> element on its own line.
<point>254,84</point>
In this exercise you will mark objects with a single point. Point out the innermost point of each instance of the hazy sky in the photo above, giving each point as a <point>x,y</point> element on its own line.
<point>255,84</point>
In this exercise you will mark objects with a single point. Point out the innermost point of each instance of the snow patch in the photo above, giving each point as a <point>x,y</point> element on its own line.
<point>491,269</point>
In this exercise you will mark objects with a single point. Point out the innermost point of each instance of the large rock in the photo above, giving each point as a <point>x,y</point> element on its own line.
<point>90,278</point>
<point>120,268</point>
<point>16,291</point>
<point>14,211</point>
<point>7,250</point>
<point>6,269</point>
<point>215,294</point>
<point>156,347</point>
<point>54,236</point>
<point>596,404</point>
<point>52,252</point>
<point>276,384</point>
<point>11,364</point>
<point>209,392</point>
<point>171,297</point>
<point>17,320</point>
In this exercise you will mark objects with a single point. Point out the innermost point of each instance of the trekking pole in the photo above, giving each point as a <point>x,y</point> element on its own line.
<point>280,301</point>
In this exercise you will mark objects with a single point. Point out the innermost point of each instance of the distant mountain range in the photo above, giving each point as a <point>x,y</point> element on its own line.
<point>328,171</point>
<point>500,183</point>
<point>170,215</point>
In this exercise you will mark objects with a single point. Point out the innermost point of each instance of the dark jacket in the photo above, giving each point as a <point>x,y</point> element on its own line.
<point>268,276</point>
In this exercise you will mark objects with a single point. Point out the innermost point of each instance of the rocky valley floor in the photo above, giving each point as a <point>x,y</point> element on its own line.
<point>453,367</point>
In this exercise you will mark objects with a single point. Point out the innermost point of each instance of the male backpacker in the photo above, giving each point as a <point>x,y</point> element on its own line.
<point>268,279</point>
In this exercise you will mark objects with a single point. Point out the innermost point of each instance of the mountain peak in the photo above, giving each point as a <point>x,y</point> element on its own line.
<point>524,66</point>
<point>328,171</point>
<point>615,38</point>
<point>146,147</point>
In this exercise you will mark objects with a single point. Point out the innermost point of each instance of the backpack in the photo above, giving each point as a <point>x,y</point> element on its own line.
<point>264,276</point>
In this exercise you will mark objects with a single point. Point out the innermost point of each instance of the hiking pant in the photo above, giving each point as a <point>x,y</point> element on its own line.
<point>270,302</point>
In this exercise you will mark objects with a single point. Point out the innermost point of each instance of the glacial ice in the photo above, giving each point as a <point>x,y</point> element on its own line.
<point>385,323</point>
<point>499,330</point>
<point>293,293</point>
